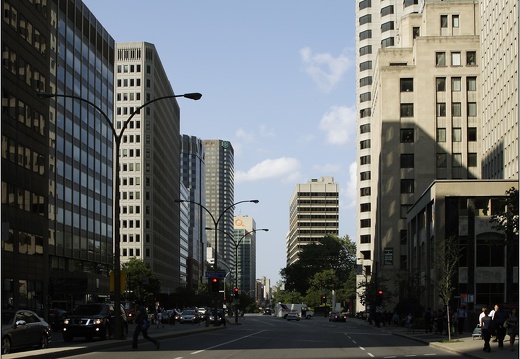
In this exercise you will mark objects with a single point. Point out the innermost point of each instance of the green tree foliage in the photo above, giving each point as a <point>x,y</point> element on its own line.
<point>141,282</point>
<point>322,266</point>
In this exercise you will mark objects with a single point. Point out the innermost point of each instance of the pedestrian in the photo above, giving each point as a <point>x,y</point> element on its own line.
<point>499,318</point>
<point>485,326</point>
<point>409,322</point>
<point>395,319</point>
<point>492,315</point>
<point>428,320</point>
<point>512,327</point>
<point>159,317</point>
<point>461,318</point>
<point>142,325</point>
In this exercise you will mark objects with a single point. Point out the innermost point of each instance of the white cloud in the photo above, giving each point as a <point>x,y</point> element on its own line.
<point>325,69</point>
<point>286,168</point>
<point>243,135</point>
<point>339,124</point>
<point>349,192</point>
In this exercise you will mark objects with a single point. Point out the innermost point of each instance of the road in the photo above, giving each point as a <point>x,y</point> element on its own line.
<point>262,337</point>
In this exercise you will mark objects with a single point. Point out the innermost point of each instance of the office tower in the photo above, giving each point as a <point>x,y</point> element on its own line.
<point>219,181</point>
<point>429,130</point>
<point>192,178</point>
<point>313,213</point>
<point>57,160</point>
<point>245,254</point>
<point>150,162</point>
<point>499,63</point>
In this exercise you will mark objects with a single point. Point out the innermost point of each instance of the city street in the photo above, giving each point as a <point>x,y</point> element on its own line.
<point>260,337</point>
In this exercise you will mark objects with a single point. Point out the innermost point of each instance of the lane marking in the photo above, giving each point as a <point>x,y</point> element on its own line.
<point>361,348</point>
<point>370,354</point>
<point>231,341</point>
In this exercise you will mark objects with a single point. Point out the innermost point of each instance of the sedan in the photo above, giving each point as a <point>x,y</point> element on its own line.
<point>24,329</point>
<point>189,316</point>
<point>338,317</point>
<point>293,316</point>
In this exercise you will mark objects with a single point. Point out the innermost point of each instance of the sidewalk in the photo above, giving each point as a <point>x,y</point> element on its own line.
<point>462,344</point>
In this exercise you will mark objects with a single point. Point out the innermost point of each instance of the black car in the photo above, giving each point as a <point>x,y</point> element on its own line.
<point>93,320</point>
<point>338,317</point>
<point>267,311</point>
<point>24,329</point>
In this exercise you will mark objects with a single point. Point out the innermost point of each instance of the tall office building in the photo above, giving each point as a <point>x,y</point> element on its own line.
<point>192,178</point>
<point>150,162</point>
<point>219,180</point>
<point>57,159</point>
<point>314,213</point>
<point>245,256</point>
<point>499,63</point>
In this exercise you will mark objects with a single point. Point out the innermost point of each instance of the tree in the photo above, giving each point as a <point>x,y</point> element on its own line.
<point>447,255</point>
<point>140,280</point>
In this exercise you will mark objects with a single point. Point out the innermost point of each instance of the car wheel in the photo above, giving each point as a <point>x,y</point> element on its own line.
<point>67,337</point>
<point>44,341</point>
<point>6,345</point>
<point>105,333</point>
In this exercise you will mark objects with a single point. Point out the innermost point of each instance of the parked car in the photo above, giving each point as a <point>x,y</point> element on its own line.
<point>56,317</point>
<point>93,320</point>
<point>293,316</point>
<point>338,317</point>
<point>24,329</point>
<point>267,311</point>
<point>189,316</point>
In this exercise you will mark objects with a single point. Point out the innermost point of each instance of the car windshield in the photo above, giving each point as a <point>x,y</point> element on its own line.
<point>189,312</point>
<point>7,317</point>
<point>93,309</point>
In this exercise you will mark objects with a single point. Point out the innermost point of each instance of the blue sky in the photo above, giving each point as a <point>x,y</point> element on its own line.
<point>278,82</point>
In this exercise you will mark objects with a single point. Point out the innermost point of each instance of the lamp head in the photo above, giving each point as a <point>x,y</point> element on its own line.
<point>179,201</point>
<point>254,201</point>
<point>193,95</point>
<point>45,95</point>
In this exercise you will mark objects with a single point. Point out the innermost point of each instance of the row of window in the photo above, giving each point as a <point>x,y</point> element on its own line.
<point>131,82</point>
<point>23,156</point>
<point>130,209</point>
<point>22,199</point>
<point>23,69</point>
<point>129,68</point>
<point>456,58</point>
<point>129,252</point>
<point>455,21</point>
<point>24,28</point>
<point>17,109</point>
<point>128,96</point>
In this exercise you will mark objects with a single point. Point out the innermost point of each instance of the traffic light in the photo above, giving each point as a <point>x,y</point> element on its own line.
<point>379,297</point>
<point>323,299</point>
<point>235,291</point>
<point>215,285</point>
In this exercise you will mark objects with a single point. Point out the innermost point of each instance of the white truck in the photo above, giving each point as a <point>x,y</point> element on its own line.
<point>281,310</point>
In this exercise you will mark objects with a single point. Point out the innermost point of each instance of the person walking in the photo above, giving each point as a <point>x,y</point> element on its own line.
<point>485,326</point>
<point>512,327</point>
<point>499,318</point>
<point>142,324</point>
<point>462,314</point>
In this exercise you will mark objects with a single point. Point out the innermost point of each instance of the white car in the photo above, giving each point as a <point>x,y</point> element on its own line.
<point>293,316</point>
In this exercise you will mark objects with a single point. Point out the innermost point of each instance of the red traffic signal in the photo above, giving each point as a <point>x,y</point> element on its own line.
<point>379,292</point>
<point>215,284</point>
<point>235,291</point>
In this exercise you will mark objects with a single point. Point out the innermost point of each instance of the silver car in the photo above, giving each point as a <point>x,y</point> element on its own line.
<point>24,329</point>
<point>189,316</point>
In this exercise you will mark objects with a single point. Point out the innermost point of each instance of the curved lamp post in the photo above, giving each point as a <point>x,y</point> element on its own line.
<point>117,142</point>
<point>237,244</point>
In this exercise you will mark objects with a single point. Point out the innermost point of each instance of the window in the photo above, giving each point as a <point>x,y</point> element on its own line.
<point>455,21</point>
<point>367,65</point>
<point>407,85</point>
<point>456,109</point>
<point>416,31</point>
<point>365,97</point>
<point>365,207</point>
<point>457,135</point>
<point>471,58</point>
<point>455,58</point>
<point>367,34</point>
<point>365,50</point>
<point>365,19</point>
<point>441,135</point>
<point>407,160</point>
<point>471,83</point>
<point>364,223</point>
<point>365,160</point>
<point>365,238</point>
<point>441,160</point>
<point>387,42</point>
<point>472,160</point>
<point>440,83</point>
<point>407,135</point>
<point>456,160</point>
<point>365,112</point>
<point>403,236</point>
<point>472,134</point>
<point>365,191</point>
<point>455,84</point>
<point>407,186</point>
<point>444,21</point>
<point>410,2</point>
<point>407,110</point>
<point>364,144</point>
<point>387,10</point>
<point>364,176</point>
<point>364,128</point>
<point>440,59</point>
<point>441,109</point>
<point>387,26</point>
<point>365,4</point>
<point>472,109</point>
<point>365,81</point>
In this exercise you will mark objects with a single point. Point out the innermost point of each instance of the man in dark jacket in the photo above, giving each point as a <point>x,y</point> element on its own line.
<point>141,320</point>
<point>499,318</point>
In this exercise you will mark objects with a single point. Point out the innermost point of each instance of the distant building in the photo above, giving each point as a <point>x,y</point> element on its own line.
<point>313,213</point>
<point>245,258</point>
<point>219,174</point>
<point>150,162</point>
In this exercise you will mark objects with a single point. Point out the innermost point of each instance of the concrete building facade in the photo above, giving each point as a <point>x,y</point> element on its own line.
<point>150,163</point>
<point>313,213</point>
<point>245,257</point>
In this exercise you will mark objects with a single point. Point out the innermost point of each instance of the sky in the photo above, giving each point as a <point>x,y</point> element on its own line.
<point>277,80</point>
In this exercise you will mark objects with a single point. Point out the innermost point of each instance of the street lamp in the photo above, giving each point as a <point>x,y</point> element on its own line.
<point>237,244</point>
<point>117,142</point>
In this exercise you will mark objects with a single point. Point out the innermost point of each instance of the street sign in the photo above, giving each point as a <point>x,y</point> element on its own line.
<point>217,274</point>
